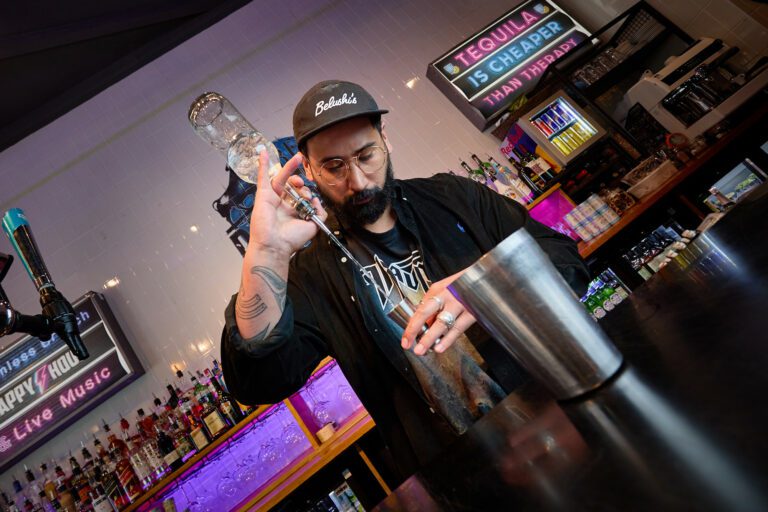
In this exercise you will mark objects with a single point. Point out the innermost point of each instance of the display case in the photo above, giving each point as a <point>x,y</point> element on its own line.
<point>561,128</point>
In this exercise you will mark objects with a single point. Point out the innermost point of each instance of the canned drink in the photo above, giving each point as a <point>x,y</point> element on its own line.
<point>611,216</point>
<point>578,228</point>
<point>601,222</point>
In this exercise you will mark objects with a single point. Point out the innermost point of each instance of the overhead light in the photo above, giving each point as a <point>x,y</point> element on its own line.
<point>178,366</point>
<point>203,346</point>
<point>111,283</point>
<point>412,82</point>
<point>193,228</point>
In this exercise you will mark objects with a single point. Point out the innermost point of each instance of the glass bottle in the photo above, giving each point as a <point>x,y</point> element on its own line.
<point>141,466</point>
<point>110,482</point>
<point>167,449</point>
<point>217,121</point>
<point>79,486</point>
<point>33,487</point>
<point>226,404</point>
<point>530,178</point>
<point>537,164</point>
<point>49,484</point>
<point>198,434</point>
<point>181,440</point>
<point>126,477</point>
<point>213,420</point>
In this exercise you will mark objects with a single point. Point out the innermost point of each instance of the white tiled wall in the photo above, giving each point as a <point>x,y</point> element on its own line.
<point>112,188</point>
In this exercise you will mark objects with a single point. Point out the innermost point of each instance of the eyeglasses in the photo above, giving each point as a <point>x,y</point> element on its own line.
<point>370,160</point>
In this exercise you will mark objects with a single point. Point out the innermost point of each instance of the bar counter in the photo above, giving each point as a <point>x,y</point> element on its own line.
<point>681,427</point>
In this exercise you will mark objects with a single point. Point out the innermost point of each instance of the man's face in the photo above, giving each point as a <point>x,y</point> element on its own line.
<point>361,198</point>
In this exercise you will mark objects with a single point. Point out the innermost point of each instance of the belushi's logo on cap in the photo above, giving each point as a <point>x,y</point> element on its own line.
<point>332,102</point>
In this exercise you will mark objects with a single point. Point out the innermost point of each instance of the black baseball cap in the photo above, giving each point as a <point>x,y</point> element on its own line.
<point>329,102</point>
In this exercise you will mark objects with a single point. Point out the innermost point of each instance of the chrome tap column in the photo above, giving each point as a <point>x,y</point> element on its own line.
<point>517,294</point>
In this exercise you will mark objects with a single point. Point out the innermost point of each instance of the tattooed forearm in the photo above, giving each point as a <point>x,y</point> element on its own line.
<point>248,308</point>
<point>275,283</point>
<point>261,299</point>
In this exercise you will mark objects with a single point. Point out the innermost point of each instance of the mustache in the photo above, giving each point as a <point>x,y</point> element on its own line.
<point>363,195</point>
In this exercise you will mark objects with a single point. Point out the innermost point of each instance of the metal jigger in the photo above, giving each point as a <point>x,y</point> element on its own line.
<point>517,294</point>
<point>402,312</point>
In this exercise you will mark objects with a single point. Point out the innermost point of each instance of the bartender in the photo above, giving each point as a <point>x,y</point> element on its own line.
<point>414,237</point>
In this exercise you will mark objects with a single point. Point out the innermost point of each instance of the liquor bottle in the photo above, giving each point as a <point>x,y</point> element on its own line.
<point>227,404</point>
<point>100,501</point>
<point>110,481</point>
<point>33,487</point>
<point>473,174</point>
<point>127,478</point>
<point>66,499</point>
<point>491,178</point>
<point>49,484</point>
<point>115,443</point>
<point>45,504</point>
<point>213,420</point>
<point>167,449</point>
<point>145,424</point>
<point>125,427</point>
<point>153,457</point>
<point>198,434</point>
<point>201,392</point>
<point>512,180</point>
<point>88,465</point>
<point>181,440</point>
<point>218,374</point>
<point>101,452</point>
<point>538,164</point>
<point>78,484</point>
<point>17,488</point>
<point>141,467</point>
<point>530,178</point>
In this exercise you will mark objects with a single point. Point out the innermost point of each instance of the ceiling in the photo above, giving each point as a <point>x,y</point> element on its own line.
<point>55,55</point>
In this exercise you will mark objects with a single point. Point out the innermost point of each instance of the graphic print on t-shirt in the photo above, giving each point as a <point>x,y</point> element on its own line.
<point>409,273</point>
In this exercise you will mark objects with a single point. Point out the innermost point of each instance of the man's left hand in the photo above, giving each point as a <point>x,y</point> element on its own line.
<point>436,310</point>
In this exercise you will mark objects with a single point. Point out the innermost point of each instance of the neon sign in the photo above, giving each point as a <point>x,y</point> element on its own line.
<point>45,387</point>
<point>486,73</point>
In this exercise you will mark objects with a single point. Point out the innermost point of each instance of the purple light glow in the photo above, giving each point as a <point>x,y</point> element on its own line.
<point>551,211</point>
<point>261,450</point>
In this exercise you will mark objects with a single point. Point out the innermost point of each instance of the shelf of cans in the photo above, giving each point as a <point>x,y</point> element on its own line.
<point>264,450</point>
<point>562,126</point>
<point>604,293</point>
<point>657,249</point>
<point>591,218</point>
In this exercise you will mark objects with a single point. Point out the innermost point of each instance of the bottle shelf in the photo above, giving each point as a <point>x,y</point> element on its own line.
<point>278,475</point>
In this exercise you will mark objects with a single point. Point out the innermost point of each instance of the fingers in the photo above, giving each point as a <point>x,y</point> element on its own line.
<point>426,310</point>
<point>262,180</point>
<point>463,322</point>
<point>279,179</point>
<point>440,336</point>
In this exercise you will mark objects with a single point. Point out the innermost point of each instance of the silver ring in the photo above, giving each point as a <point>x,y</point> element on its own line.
<point>440,303</point>
<point>447,318</point>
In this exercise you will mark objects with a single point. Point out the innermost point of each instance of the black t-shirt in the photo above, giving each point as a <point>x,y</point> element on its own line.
<point>453,382</point>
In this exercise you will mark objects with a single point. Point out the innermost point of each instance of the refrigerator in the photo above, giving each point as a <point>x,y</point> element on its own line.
<point>561,128</point>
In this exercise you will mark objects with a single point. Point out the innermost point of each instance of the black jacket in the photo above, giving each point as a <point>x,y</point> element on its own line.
<point>455,221</point>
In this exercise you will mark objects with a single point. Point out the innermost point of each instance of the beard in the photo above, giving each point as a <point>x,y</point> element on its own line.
<point>353,213</point>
